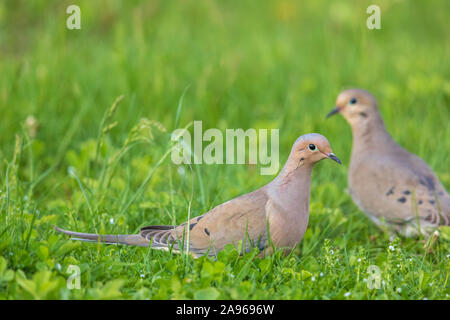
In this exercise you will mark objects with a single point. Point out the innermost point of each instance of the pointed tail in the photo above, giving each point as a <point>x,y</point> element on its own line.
<point>129,239</point>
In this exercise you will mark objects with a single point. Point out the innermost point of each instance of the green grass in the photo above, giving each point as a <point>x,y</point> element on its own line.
<point>245,64</point>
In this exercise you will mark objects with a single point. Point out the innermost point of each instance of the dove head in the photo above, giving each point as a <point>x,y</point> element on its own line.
<point>356,105</point>
<point>311,148</point>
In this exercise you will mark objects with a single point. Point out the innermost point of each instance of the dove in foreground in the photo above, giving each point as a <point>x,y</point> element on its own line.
<point>394,187</point>
<point>273,216</point>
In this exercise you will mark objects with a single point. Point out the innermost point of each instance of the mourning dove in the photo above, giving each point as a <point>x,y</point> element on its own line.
<point>279,209</point>
<point>393,187</point>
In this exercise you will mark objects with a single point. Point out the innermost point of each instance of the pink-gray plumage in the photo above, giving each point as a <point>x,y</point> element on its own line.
<point>279,209</point>
<point>394,187</point>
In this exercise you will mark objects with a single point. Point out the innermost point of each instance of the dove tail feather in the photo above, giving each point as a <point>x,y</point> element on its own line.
<point>128,239</point>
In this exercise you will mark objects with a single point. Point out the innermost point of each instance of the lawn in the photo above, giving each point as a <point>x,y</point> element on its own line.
<point>71,157</point>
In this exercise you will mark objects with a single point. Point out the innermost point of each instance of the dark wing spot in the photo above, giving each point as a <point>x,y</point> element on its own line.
<point>192,225</point>
<point>420,201</point>
<point>402,199</point>
<point>363,114</point>
<point>207,232</point>
<point>199,218</point>
<point>406,192</point>
<point>431,201</point>
<point>302,159</point>
<point>391,191</point>
<point>430,183</point>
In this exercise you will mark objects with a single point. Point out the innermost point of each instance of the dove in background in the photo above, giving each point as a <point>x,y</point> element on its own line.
<point>394,187</point>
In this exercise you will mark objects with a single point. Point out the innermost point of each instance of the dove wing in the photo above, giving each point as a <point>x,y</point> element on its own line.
<point>243,218</point>
<point>400,189</point>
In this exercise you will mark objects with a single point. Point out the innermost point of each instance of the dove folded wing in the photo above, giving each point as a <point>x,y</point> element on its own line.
<point>404,193</point>
<point>242,219</point>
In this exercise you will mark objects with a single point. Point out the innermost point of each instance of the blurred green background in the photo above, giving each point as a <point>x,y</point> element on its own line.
<point>243,64</point>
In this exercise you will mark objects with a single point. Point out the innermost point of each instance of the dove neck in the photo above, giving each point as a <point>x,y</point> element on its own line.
<point>291,188</point>
<point>370,133</point>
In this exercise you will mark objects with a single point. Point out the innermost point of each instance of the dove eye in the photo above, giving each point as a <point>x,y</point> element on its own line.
<point>312,147</point>
<point>353,101</point>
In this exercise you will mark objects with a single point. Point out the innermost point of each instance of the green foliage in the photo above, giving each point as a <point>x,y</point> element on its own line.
<point>73,156</point>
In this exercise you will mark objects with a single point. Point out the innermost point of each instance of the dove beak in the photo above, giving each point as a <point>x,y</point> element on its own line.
<point>333,112</point>
<point>332,156</point>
